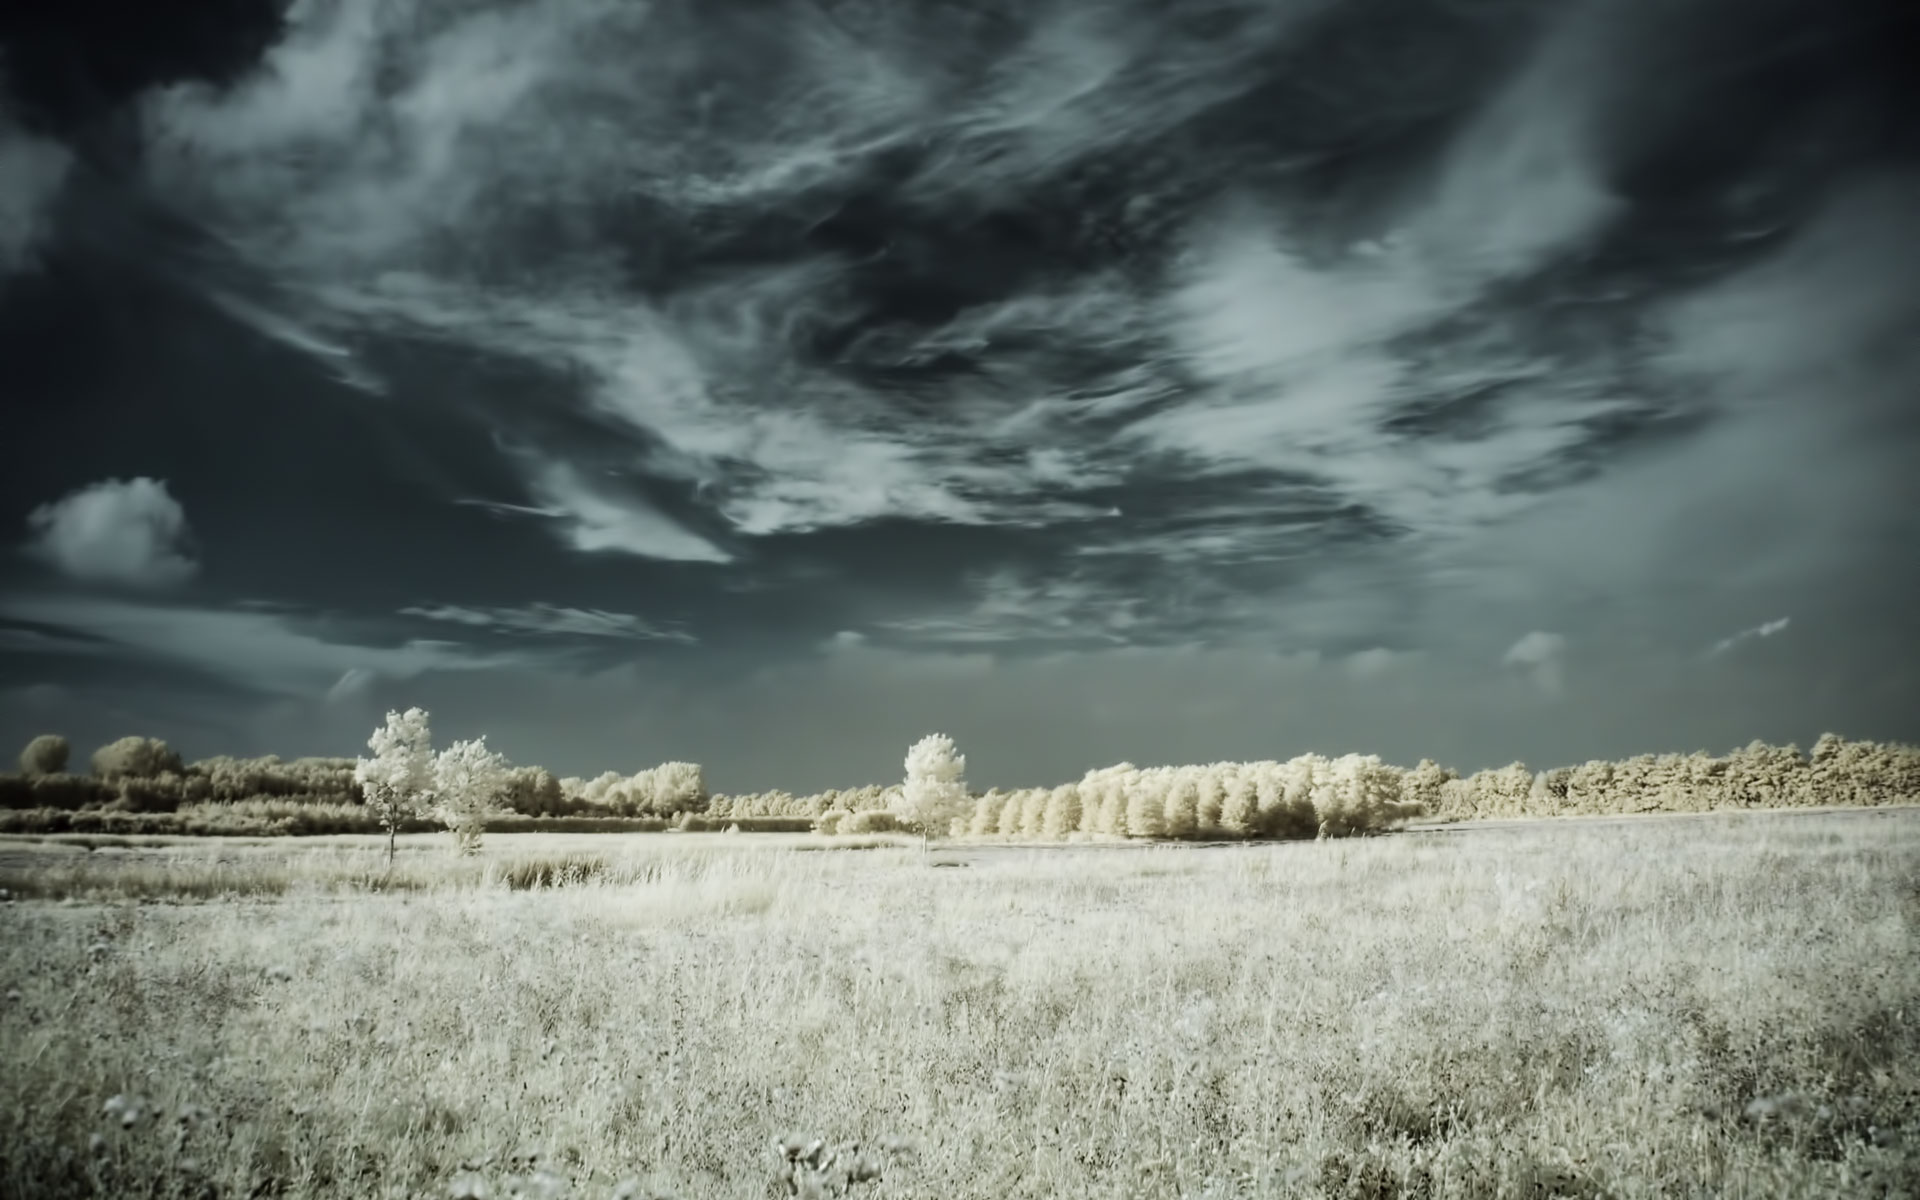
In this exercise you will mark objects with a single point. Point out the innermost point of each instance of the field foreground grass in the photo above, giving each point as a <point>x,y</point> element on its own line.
<point>1724,1006</point>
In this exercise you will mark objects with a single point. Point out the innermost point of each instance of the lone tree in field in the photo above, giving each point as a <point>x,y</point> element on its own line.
<point>398,780</point>
<point>468,783</point>
<point>935,795</point>
<point>45,755</point>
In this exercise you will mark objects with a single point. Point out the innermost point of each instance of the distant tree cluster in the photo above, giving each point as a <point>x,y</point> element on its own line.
<point>1838,772</point>
<point>664,791</point>
<point>1308,796</point>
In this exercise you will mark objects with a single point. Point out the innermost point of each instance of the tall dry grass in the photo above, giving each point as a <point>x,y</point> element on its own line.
<point>1719,1006</point>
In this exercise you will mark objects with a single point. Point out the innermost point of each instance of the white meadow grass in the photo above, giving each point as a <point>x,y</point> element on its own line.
<point>1710,1007</point>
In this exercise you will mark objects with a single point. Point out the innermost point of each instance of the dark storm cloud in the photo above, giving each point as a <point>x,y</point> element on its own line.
<point>1511,350</point>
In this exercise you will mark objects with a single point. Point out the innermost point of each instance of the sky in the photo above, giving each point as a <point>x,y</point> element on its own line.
<point>768,383</point>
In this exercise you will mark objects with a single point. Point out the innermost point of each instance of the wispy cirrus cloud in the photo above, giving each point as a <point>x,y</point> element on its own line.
<point>32,172</point>
<point>1009,606</point>
<point>1015,270</point>
<point>598,519</point>
<point>260,648</point>
<point>549,619</point>
<point>1765,629</point>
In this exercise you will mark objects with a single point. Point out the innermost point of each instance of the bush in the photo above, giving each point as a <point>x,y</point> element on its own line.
<point>45,755</point>
<point>829,822</point>
<point>139,757</point>
<point>71,792</point>
<point>320,780</point>
<point>16,792</point>
<point>664,791</point>
<point>873,820</point>
<point>534,792</point>
<point>158,795</point>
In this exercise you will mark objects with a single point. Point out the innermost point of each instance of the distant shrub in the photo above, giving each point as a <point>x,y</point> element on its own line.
<point>549,871</point>
<point>873,820</point>
<point>71,792</point>
<point>777,825</point>
<point>829,822</point>
<point>985,818</point>
<point>45,755</point>
<point>320,780</point>
<point>1062,813</point>
<point>666,790</point>
<point>16,792</point>
<point>160,794</point>
<point>534,792</point>
<point>1009,806</point>
<point>139,757</point>
<point>1354,794</point>
<point>579,823</point>
<point>1421,785</point>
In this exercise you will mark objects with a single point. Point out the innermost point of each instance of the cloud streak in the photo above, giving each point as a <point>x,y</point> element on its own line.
<point>1765,629</point>
<point>548,620</point>
<point>32,172</point>
<point>256,648</point>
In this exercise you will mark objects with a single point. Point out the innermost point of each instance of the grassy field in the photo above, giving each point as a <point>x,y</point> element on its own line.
<point>1722,1006</point>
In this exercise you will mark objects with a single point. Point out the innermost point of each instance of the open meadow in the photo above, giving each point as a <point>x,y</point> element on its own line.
<point>1725,1005</point>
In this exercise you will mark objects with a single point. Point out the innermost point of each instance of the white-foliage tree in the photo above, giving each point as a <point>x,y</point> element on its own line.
<point>397,782</point>
<point>468,781</point>
<point>935,794</point>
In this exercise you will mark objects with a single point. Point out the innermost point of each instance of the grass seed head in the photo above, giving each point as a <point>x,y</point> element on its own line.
<point>128,1110</point>
<point>468,1186</point>
<point>542,1184</point>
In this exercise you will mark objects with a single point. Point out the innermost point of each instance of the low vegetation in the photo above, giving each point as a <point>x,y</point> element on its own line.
<point>1722,1006</point>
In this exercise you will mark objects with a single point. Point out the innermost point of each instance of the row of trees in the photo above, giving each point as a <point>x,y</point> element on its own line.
<point>405,782</point>
<point>1308,796</point>
<point>1352,792</point>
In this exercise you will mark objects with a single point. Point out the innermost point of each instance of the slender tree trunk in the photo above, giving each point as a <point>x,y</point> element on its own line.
<point>393,829</point>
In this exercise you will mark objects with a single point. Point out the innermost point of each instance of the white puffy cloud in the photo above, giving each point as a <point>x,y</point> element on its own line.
<point>1543,656</point>
<point>116,531</point>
